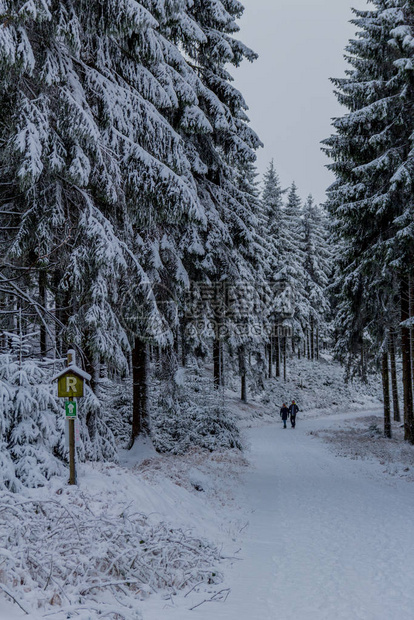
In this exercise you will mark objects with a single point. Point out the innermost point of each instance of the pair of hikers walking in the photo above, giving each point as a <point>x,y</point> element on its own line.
<point>290,412</point>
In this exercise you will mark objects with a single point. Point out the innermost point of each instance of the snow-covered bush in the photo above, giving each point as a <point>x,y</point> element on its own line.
<point>192,413</point>
<point>97,440</point>
<point>185,412</point>
<point>32,421</point>
<point>116,399</point>
<point>77,552</point>
<point>31,441</point>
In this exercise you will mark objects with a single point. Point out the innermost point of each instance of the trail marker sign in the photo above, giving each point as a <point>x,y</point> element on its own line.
<point>70,381</point>
<point>70,386</point>
<point>70,409</point>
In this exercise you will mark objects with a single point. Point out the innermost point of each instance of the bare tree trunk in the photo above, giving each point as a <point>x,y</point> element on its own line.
<point>242,371</point>
<point>140,414</point>
<point>406,365</point>
<point>284,358</point>
<point>221,345</point>
<point>92,367</point>
<point>62,312</point>
<point>312,340</point>
<point>269,359</point>
<point>411,310</point>
<point>43,301</point>
<point>216,362</point>
<point>386,392</point>
<point>394,383</point>
<point>317,343</point>
<point>363,363</point>
<point>277,351</point>
<point>183,333</point>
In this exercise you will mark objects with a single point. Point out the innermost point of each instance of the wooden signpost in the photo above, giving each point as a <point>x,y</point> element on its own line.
<point>70,386</point>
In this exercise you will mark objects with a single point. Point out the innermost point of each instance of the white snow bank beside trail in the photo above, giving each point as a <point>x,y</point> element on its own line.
<point>102,548</point>
<point>362,438</point>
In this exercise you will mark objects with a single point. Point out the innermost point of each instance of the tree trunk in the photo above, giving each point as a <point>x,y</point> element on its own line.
<point>242,371</point>
<point>43,302</point>
<point>284,358</point>
<point>406,365</point>
<point>411,310</point>
<point>394,383</point>
<point>140,414</point>
<point>317,343</point>
<point>277,347</point>
<point>386,392</point>
<point>183,333</point>
<point>216,362</point>
<point>270,358</point>
<point>363,363</point>
<point>92,367</point>
<point>221,345</point>
<point>62,312</point>
<point>177,341</point>
<point>312,340</point>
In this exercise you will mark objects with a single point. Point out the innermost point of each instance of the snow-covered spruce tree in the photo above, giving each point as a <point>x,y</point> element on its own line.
<point>371,201</point>
<point>272,201</point>
<point>292,272</point>
<point>32,423</point>
<point>251,305</point>
<point>54,158</point>
<point>98,168</point>
<point>318,269</point>
<point>217,139</point>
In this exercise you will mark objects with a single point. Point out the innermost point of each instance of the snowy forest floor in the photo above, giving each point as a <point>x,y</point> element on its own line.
<point>287,529</point>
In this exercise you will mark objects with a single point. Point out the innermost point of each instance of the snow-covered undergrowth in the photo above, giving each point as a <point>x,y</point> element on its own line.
<point>185,412</point>
<point>100,548</point>
<point>80,552</point>
<point>363,438</point>
<point>319,388</point>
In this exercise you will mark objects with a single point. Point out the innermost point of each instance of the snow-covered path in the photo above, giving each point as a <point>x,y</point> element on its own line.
<point>328,538</point>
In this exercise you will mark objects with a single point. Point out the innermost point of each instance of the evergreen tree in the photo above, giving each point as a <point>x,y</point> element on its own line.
<point>317,269</point>
<point>371,200</point>
<point>32,439</point>
<point>291,272</point>
<point>219,141</point>
<point>90,161</point>
<point>272,201</point>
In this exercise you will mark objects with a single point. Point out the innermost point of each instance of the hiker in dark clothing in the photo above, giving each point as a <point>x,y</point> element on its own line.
<point>284,413</point>
<point>293,409</point>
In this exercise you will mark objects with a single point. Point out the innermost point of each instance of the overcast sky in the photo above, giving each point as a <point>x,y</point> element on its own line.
<point>300,45</point>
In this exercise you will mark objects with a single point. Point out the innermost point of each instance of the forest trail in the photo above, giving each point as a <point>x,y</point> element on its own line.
<point>329,538</point>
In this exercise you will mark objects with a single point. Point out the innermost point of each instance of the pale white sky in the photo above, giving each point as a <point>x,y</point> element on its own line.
<point>300,45</point>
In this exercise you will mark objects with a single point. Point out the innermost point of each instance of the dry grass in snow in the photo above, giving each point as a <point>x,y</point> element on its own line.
<point>90,550</point>
<point>363,438</point>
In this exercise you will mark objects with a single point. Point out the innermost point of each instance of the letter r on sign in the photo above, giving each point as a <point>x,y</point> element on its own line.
<point>71,384</point>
